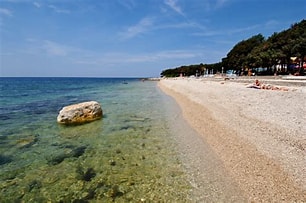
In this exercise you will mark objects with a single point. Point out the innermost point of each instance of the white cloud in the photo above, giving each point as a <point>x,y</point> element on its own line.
<point>142,26</point>
<point>55,49</point>
<point>271,23</point>
<point>212,5</point>
<point>51,48</point>
<point>228,31</point>
<point>220,3</point>
<point>243,29</point>
<point>129,4</point>
<point>207,33</point>
<point>177,54</point>
<point>149,24</point>
<point>37,5</point>
<point>187,24</point>
<point>58,10</point>
<point>6,12</point>
<point>173,5</point>
<point>127,59</point>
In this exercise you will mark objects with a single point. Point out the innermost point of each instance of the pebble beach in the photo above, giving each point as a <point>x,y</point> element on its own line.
<point>258,136</point>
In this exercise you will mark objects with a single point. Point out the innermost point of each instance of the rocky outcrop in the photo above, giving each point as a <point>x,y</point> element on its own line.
<point>80,113</point>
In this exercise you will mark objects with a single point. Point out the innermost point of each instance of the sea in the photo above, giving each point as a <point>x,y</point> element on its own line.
<point>130,155</point>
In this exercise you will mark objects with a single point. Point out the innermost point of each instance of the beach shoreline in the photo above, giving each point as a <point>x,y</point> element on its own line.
<point>259,135</point>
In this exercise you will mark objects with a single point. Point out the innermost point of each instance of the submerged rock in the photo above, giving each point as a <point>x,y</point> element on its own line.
<point>79,151</point>
<point>80,113</point>
<point>87,175</point>
<point>114,192</point>
<point>4,159</point>
<point>57,158</point>
<point>60,156</point>
<point>27,141</point>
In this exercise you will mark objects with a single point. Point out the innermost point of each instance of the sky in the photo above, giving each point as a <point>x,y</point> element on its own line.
<point>130,38</point>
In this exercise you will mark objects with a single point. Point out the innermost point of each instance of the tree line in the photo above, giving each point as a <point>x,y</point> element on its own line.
<point>281,53</point>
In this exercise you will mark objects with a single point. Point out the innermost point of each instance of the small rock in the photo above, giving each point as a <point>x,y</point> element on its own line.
<point>27,141</point>
<point>114,192</point>
<point>89,174</point>
<point>34,184</point>
<point>112,162</point>
<point>57,158</point>
<point>79,151</point>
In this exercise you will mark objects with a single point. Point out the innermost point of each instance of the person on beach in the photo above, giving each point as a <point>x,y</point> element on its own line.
<point>258,85</point>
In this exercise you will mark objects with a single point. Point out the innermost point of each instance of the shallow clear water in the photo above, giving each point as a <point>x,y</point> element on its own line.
<point>128,155</point>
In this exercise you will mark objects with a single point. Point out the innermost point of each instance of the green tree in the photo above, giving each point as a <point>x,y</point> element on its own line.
<point>257,52</point>
<point>237,57</point>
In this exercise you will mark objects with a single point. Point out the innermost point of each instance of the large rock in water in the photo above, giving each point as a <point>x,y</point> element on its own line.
<point>80,113</point>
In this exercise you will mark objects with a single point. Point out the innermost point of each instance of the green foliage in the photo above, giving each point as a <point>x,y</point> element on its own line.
<point>239,56</point>
<point>277,49</point>
<point>256,52</point>
<point>189,70</point>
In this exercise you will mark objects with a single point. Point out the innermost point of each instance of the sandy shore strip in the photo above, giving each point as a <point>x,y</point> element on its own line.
<point>259,135</point>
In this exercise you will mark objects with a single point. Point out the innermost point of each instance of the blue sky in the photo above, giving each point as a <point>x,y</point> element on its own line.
<point>130,38</point>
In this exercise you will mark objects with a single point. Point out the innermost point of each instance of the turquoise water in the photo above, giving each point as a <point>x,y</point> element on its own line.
<point>127,156</point>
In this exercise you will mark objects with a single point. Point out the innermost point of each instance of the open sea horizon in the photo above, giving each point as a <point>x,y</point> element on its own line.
<point>128,155</point>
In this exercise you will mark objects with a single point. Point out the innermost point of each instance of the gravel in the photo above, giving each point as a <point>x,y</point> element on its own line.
<point>259,135</point>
